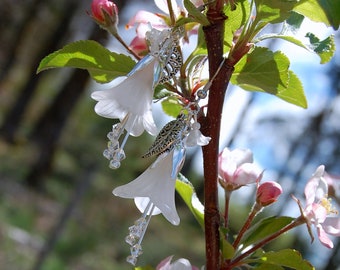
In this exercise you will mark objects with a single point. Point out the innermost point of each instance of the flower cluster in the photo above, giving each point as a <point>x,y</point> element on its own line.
<point>130,101</point>
<point>158,49</point>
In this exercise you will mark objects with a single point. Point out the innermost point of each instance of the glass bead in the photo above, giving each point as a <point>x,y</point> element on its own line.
<point>136,250</point>
<point>113,145</point>
<point>116,131</point>
<point>119,155</point>
<point>131,239</point>
<point>131,259</point>
<point>135,230</point>
<point>107,154</point>
<point>110,135</point>
<point>141,222</point>
<point>114,164</point>
<point>202,94</point>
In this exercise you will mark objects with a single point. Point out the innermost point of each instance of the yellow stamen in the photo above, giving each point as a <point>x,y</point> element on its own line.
<point>327,203</point>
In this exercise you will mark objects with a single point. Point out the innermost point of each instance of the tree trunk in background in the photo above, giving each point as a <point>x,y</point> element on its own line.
<point>13,32</point>
<point>15,115</point>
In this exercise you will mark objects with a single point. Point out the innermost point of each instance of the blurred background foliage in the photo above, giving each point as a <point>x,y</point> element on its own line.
<point>56,206</point>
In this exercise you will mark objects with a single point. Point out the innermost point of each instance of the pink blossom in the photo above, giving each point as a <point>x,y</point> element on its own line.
<point>268,193</point>
<point>139,45</point>
<point>144,20</point>
<point>319,210</point>
<point>236,169</point>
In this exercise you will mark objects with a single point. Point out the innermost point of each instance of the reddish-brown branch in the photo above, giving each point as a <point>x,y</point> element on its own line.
<point>211,127</point>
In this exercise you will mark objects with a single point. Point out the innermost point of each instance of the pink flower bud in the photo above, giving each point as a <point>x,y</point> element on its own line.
<point>105,13</point>
<point>139,46</point>
<point>268,193</point>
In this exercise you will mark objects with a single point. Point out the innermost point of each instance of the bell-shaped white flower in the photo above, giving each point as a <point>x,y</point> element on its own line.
<point>157,184</point>
<point>132,97</point>
<point>154,193</point>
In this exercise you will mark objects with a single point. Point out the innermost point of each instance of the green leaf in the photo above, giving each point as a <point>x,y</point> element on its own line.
<point>186,190</point>
<point>102,64</point>
<point>293,93</point>
<point>284,37</point>
<point>268,266</point>
<point>265,71</point>
<point>287,258</point>
<point>194,68</point>
<point>196,13</point>
<point>236,19</point>
<point>201,47</point>
<point>161,92</point>
<point>324,11</point>
<point>227,249</point>
<point>264,228</point>
<point>185,20</point>
<point>324,48</point>
<point>274,11</point>
<point>332,11</point>
<point>295,20</point>
<point>171,106</point>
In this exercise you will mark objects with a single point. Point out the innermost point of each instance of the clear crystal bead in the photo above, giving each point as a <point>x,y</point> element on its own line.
<point>136,250</point>
<point>131,239</point>
<point>107,154</point>
<point>114,164</point>
<point>140,222</point>
<point>113,145</point>
<point>131,259</point>
<point>135,231</point>
<point>116,131</point>
<point>119,155</point>
<point>110,135</point>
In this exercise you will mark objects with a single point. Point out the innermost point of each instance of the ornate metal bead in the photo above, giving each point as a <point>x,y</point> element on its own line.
<point>171,64</point>
<point>170,135</point>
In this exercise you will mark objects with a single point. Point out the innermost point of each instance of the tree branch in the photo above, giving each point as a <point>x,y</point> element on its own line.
<point>211,127</point>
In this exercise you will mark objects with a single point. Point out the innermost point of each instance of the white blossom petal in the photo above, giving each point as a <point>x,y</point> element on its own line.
<point>163,6</point>
<point>331,225</point>
<point>241,156</point>
<point>316,188</point>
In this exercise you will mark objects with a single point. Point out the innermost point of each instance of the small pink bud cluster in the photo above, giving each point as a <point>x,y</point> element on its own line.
<point>105,13</point>
<point>268,193</point>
